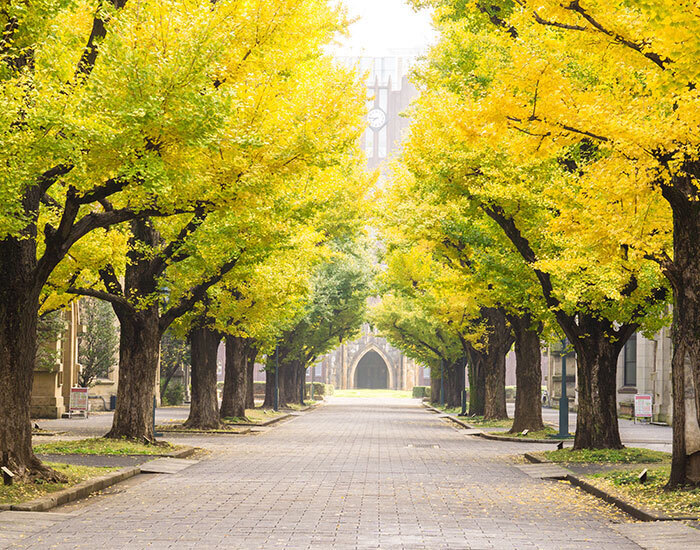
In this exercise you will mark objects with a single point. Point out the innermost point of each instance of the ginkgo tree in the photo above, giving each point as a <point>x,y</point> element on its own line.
<point>277,188</point>
<point>334,312</point>
<point>620,78</point>
<point>123,111</point>
<point>477,286</point>
<point>467,141</point>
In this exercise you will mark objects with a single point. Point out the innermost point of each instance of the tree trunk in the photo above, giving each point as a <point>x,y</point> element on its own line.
<point>204,408</point>
<point>453,385</point>
<point>19,307</point>
<point>528,375</point>
<point>500,340</point>
<point>139,348</point>
<point>18,340</point>
<point>477,382</point>
<point>288,384</point>
<point>684,275</point>
<point>250,377</point>
<point>434,390</point>
<point>233,399</point>
<point>139,342</point>
<point>596,361</point>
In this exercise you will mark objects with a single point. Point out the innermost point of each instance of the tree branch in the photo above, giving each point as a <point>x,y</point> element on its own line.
<point>110,280</point>
<point>196,294</point>
<point>557,24</point>
<point>654,57</point>
<point>522,245</point>
<point>51,176</point>
<point>98,194</point>
<point>99,31</point>
<point>173,250</point>
<point>101,295</point>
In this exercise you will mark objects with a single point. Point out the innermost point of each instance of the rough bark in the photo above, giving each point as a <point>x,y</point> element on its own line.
<point>597,342</point>
<point>500,340</point>
<point>139,343</point>
<point>528,375</point>
<point>683,272</point>
<point>453,385</point>
<point>22,277</point>
<point>204,408</point>
<point>233,398</point>
<point>596,362</point>
<point>19,304</point>
<point>289,384</point>
<point>477,382</point>
<point>139,348</point>
<point>434,390</point>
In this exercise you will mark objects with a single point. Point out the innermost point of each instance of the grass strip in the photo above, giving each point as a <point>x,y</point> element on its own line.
<point>628,455</point>
<point>254,416</point>
<point>651,494</point>
<point>29,490</point>
<point>104,446</point>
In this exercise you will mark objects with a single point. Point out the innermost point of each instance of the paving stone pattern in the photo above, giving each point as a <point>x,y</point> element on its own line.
<point>354,474</point>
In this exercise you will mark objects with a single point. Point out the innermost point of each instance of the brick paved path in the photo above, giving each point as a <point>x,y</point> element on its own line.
<point>353,474</point>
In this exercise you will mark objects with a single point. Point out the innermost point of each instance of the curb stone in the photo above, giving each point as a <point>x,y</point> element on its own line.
<point>263,424</point>
<point>637,512</point>
<point>182,453</point>
<point>244,431</point>
<point>81,490</point>
<point>488,435</point>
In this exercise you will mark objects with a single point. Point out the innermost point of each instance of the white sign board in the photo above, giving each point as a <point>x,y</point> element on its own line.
<point>642,406</point>
<point>78,400</point>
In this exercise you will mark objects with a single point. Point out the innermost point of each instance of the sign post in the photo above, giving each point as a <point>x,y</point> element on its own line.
<point>78,401</point>
<point>642,407</point>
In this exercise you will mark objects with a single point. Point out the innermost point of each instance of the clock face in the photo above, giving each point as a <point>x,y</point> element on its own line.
<point>376,118</point>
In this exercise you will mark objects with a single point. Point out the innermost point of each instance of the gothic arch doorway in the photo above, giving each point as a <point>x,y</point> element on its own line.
<point>372,372</point>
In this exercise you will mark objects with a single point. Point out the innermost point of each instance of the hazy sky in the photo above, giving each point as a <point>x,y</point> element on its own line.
<point>385,25</point>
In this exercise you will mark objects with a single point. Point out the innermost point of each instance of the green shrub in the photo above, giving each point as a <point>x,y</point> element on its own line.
<point>173,395</point>
<point>320,389</point>
<point>421,391</point>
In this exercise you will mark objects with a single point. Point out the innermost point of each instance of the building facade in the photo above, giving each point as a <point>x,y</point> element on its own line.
<point>52,382</point>
<point>370,361</point>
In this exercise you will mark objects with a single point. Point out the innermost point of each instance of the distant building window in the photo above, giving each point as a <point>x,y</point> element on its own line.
<point>317,372</point>
<point>631,361</point>
<point>384,99</point>
<point>426,373</point>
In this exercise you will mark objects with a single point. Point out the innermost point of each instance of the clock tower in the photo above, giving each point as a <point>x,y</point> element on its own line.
<point>389,93</point>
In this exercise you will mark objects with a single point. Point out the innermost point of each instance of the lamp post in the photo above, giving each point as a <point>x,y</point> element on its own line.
<point>563,400</point>
<point>442,383</point>
<point>276,396</point>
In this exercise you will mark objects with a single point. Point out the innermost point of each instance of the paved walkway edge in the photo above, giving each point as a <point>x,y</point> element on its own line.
<point>244,431</point>
<point>488,435</point>
<point>636,512</point>
<point>182,453</point>
<point>81,490</point>
<point>262,424</point>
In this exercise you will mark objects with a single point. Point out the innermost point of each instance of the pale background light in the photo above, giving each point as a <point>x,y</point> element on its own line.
<point>385,27</point>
